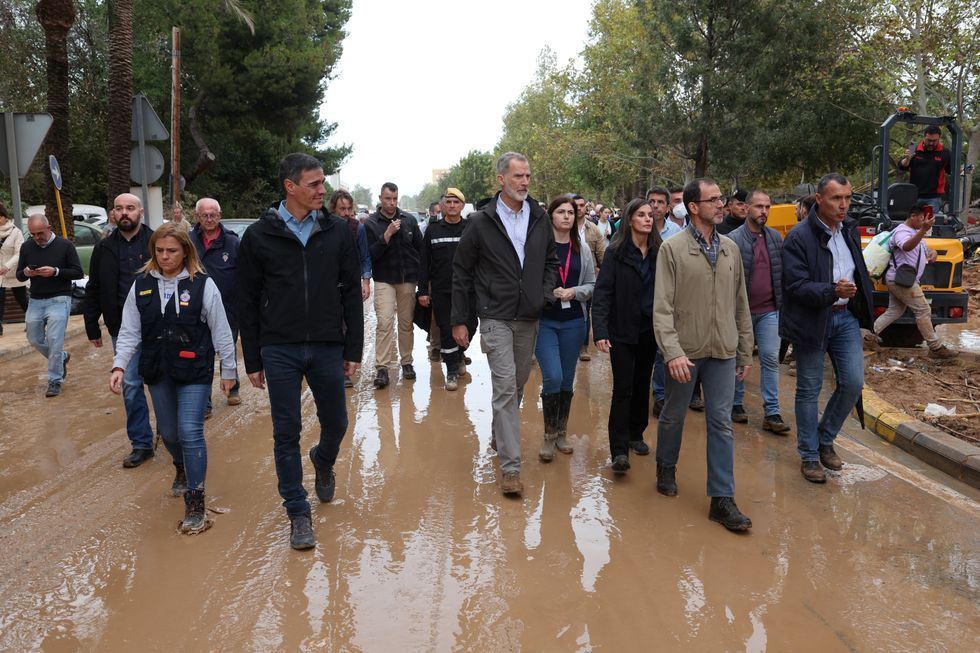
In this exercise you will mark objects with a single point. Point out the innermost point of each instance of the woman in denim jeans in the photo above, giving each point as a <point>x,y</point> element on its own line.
<point>562,327</point>
<point>174,312</point>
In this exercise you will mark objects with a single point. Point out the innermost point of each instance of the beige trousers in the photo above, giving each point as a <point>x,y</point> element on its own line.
<point>391,299</point>
<point>899,299</point>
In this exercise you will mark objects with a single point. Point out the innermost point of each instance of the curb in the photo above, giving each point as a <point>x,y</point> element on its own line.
<point>17,351</point>
<point>959,459</point>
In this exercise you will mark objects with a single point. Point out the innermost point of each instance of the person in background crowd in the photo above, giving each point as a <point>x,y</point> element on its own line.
<point>217,249</point>
<point>394,240</point>
<point>928,166</point>
<point>803,206</point>
<point>435,213</point>
<point>761,249</point>
<point>605,223</point>
<point>590,235</point>
<point>435,334</point>
<point>302,317</point>
<point>562,327</point>
<point>341,204</point>
<point>116,260</point>
<point>11,240</point>
<point>738,209</point>
<point>623,312</point>
<point>50,263</point>
<point>675,215</point>
<point>507,259</point>
<point>704,328</point>
<point>910,249</point>
<point>827,300</point>
<point>174,314</point>
<point>436,281</point>
<point>659,199</point>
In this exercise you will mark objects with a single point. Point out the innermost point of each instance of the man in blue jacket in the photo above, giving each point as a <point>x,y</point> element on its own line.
<point>218,249</point>
<point>826,303</point>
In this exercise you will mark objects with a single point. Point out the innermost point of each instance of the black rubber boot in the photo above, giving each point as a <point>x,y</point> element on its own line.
<point>194,519</point>
<point>549,403</point>
<point>564,408</point>
<point>666,480</point>
<point>179,486</point>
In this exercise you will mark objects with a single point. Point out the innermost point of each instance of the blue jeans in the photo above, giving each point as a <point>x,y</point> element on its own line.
<point>134,400</point>
<point>659,376</point>
<point>766,328</point>
<point>717,377</point>
<point>47,320</point>
<point>557,350</point>
<point>846,352</point>
<point>322,365</point>
<point>180,418</point>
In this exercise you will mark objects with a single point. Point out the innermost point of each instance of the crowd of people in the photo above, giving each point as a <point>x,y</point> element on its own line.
<point>678,289</point>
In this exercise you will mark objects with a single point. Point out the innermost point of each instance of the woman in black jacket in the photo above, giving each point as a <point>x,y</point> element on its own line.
<point>622,317</point>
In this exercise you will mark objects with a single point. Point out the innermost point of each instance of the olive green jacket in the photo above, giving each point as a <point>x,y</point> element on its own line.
<point>700,312</point>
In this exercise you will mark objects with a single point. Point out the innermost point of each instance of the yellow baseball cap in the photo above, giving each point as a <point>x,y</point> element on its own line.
<point>457,193</point>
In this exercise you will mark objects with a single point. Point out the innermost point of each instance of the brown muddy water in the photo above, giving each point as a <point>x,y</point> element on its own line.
<point>420,552</point>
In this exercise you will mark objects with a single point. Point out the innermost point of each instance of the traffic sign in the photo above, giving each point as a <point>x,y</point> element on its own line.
<point>55,171</point>
<point>146,118</point>
<point>154,165</point>
<point>29,132</point>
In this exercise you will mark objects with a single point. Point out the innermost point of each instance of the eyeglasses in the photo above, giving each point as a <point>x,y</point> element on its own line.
<point>210,216</point>
<point>712,200</point>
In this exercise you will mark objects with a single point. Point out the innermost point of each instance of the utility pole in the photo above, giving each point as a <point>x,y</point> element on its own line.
<point>175,186</point>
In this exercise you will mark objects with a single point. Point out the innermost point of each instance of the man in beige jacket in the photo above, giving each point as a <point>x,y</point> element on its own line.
<point>703,327</point>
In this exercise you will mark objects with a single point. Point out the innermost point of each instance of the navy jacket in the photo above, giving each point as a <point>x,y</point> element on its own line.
<point>808,286</point>
<point>221,263</point>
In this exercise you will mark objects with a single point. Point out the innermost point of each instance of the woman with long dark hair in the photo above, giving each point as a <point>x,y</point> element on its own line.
<point>174,313</point>
<point>622,325</point>
<point>563,327</point>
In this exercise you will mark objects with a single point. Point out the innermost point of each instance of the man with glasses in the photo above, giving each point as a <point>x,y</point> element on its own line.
<point>928,167</point>
<point>217,248</point>
<point>115,260</point>
<point>704,329</point>
<point>50,263</point>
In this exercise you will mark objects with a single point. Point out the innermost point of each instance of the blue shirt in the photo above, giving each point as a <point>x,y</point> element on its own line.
<point>515,223</point>
<point>670,228</point>
<point>843,261</point>
<point>302,230</point>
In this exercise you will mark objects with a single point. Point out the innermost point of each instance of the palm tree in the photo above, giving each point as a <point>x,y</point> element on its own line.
<point>120,112</point>
<point>56,18</point>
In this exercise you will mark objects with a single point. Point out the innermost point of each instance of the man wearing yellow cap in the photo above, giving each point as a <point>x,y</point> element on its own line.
<point>436,280</point>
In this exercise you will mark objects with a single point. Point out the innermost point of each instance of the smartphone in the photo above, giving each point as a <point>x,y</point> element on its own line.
<point>31,267</point>
<point>930,210</point>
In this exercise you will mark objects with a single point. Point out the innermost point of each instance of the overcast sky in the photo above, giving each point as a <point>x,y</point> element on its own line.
<point>422,83</point>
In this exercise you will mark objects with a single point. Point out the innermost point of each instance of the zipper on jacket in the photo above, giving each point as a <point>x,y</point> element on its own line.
<point>306,294</point>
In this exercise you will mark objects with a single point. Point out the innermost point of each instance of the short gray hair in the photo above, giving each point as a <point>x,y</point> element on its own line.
<point>39,217</point>
<point>504,161</point>
<point>197,206</point>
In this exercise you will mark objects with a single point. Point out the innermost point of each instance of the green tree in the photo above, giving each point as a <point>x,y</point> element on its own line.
<point>362,195</point>
<point>474,175</point>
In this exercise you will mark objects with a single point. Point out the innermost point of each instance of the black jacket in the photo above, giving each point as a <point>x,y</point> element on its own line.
<point>728,225</point>
<point>808,286</point>
<point>102,290</point>
<point>61,254</point>
<point>616,306</point>
<point>438,249</point>
<point>221,263</point>
<point>396,261</point>
<point>927,170</point>
<point>745,240</point>
<point>290,294</point>
<point>487,265</point>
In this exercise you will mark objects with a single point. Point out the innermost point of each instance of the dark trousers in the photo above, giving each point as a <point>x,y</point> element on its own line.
<point>629,414</point>
<point>452,353</point>
<point>321,364</point>
<point>20,294</point>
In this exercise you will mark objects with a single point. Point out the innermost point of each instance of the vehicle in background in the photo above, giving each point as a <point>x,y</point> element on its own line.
<point>87,213</point>
<point>238,225</point>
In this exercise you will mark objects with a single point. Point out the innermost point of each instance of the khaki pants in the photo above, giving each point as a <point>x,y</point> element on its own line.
<point>899,299</point>
<point>391,299</point>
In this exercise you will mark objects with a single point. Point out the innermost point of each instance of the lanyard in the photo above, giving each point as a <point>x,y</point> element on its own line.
<point>563,272</point>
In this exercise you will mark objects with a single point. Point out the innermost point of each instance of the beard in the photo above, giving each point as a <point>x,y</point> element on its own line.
<point>517,196</point>
<point>127,225</point>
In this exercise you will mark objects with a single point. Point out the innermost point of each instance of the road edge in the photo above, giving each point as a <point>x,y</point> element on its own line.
<point>959,459</point>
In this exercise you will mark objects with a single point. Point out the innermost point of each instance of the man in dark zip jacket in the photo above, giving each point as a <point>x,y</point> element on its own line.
<point>301,316</point>
<point>507,258</point>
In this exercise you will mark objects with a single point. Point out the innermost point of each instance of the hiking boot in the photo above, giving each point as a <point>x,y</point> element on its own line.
<point>584,356</point>
<point>137,457</point>
<point>871,342</point>
<point>452,381</point>
<point>621,464</point>
<point>775,424</point>
<point>435,356</point>
<point>697,404</point>
<point>943,351</point>
<point>54,389</point>
<point>408,372</point>
<point>739,415</point>
<point>511,483</point>
<point>724,511</point>
<point>564,408</point>
<point>461,370</point>
<point>301,532</point>
<point>348,383</point>
<point>639,447</point>
<point>194,519</point>
<point>381,378</point>
<point>325,483</point>
<point>467,360</point>
<point>829,457</point>
<point>658,406</point>
<point>64,365</point>
<point>234,398</point>
<point>813,471</point>
<point>666,480</point>
<point>179,486</point>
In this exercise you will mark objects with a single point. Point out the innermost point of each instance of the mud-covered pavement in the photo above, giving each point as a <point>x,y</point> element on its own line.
<point>420,552</point>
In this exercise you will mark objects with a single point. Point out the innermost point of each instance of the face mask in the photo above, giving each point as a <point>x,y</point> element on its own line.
<point>679,212</point>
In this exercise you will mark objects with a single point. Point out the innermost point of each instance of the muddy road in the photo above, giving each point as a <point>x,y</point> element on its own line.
<point>420,552</point>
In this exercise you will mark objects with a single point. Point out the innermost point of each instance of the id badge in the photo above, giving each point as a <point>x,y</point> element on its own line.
<point>566,304</point>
